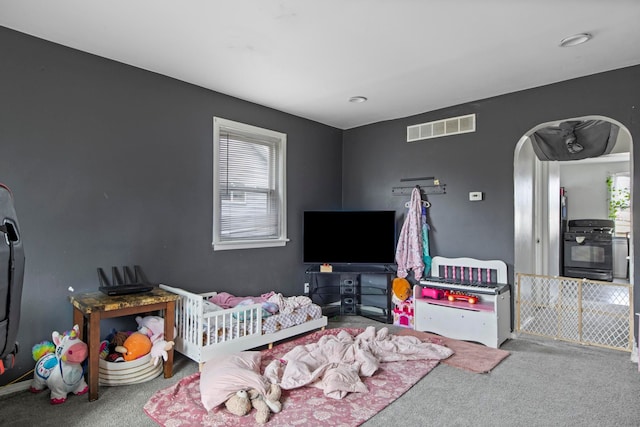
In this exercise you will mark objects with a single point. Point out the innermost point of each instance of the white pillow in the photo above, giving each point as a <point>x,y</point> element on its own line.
<point>223,376</point>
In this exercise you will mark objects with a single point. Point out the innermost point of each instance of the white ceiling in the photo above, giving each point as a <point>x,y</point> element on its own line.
<point>308,57</point>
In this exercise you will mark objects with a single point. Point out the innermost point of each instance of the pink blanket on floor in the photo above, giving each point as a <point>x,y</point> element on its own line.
<point>336,363</point>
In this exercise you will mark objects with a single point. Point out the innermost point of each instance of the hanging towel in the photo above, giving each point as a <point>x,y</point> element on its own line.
<point>409,248</point>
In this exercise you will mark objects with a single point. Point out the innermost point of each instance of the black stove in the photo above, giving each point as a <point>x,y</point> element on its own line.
<point>604,226</point>
<point>588,249</point>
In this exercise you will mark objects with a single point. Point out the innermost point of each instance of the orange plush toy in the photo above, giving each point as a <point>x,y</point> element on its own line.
<point>401,289</point>
<point>137,345</point>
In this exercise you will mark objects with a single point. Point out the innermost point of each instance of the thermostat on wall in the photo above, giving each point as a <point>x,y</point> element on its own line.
<point>474,196</point>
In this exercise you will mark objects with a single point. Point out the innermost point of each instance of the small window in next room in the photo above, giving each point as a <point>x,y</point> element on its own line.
<point>249,200</point>
<point>619,198</point>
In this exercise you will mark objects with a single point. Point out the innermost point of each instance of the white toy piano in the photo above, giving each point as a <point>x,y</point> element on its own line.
<point>483,318</point>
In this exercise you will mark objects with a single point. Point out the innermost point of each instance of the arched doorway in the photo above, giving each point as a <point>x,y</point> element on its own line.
<point>537,203</point>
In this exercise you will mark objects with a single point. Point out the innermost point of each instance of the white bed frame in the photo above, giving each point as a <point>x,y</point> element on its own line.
<point>246,321</point>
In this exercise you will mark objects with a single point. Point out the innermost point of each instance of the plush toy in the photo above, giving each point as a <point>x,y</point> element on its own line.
<point>242,402</point>
<point>134,347</point>
<point>114,340</point>
<point>42,349</point>
<point>104,350</point>
<point>151,326</point>
<point>239,404</point>
<point>61,370</point>
<point>401,289</point>
<point>159,349</point>
<point>266,404</point>
<point>117,338</point>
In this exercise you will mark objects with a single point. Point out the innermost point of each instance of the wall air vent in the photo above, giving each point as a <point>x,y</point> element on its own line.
<point>445,127</point>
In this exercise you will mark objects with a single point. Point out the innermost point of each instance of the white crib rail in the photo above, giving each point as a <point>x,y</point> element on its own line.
<point>236,329</point>
<point>197,330</point>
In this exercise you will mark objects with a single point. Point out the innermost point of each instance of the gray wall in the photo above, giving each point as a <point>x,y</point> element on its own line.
<point>376,158</point>
<point>112,165</point>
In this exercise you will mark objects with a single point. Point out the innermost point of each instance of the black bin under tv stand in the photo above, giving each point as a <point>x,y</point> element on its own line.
<point>353,291</point>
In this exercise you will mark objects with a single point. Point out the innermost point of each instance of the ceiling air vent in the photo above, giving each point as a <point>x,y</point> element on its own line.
<point>445,127</point>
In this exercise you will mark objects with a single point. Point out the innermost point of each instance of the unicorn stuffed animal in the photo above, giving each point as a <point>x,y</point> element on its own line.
<point>61,370</point>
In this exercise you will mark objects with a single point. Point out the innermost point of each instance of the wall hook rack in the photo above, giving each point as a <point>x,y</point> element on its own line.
<point>435,188</point>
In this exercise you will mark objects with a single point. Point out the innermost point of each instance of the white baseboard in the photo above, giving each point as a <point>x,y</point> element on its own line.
<point>14,388</point>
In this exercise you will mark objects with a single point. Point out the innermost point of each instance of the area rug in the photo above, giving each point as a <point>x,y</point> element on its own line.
<point>467,355</point>
<point>180,406</point>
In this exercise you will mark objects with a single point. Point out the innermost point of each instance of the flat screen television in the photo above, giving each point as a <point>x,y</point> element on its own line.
<point>349,237</point>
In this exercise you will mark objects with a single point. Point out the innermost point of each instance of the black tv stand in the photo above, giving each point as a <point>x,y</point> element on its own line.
<point>348,290</point>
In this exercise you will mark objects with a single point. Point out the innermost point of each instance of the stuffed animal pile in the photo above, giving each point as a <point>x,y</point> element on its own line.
<point>136,345</point>
<point>153,327</point>
<point>128,346</point>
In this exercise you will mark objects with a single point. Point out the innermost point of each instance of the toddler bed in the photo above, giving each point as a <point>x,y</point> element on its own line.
<point>204,330</point>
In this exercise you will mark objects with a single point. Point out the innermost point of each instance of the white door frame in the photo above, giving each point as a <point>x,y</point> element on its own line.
<point>537,206</point>
<point>537,210</point>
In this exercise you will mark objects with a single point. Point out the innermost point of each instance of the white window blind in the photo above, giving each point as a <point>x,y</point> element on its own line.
<point>249,187</point>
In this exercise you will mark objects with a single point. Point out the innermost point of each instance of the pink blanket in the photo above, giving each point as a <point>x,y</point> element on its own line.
<point>226,300</point>
<point>335,363</point>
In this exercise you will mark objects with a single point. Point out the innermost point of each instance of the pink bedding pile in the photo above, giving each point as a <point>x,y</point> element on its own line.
<point>280,303</point>
<point>336,363</point>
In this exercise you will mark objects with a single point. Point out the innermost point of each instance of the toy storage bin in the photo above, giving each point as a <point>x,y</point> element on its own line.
<point>132,372</point>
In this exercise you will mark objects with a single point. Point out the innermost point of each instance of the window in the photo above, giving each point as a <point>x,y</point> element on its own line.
<point>619,188</point>
<point>249,201</point>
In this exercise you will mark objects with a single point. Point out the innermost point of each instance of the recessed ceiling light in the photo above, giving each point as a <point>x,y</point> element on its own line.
<point>575,39</point>
<point>358,99</point>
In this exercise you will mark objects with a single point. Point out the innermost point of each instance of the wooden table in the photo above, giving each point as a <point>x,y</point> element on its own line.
<point>90,308</point>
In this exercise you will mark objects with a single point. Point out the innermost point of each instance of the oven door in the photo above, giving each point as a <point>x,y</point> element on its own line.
<point>590,251</point>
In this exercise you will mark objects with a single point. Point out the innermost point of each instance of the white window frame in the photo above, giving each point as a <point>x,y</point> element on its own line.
<point>280,139</point>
